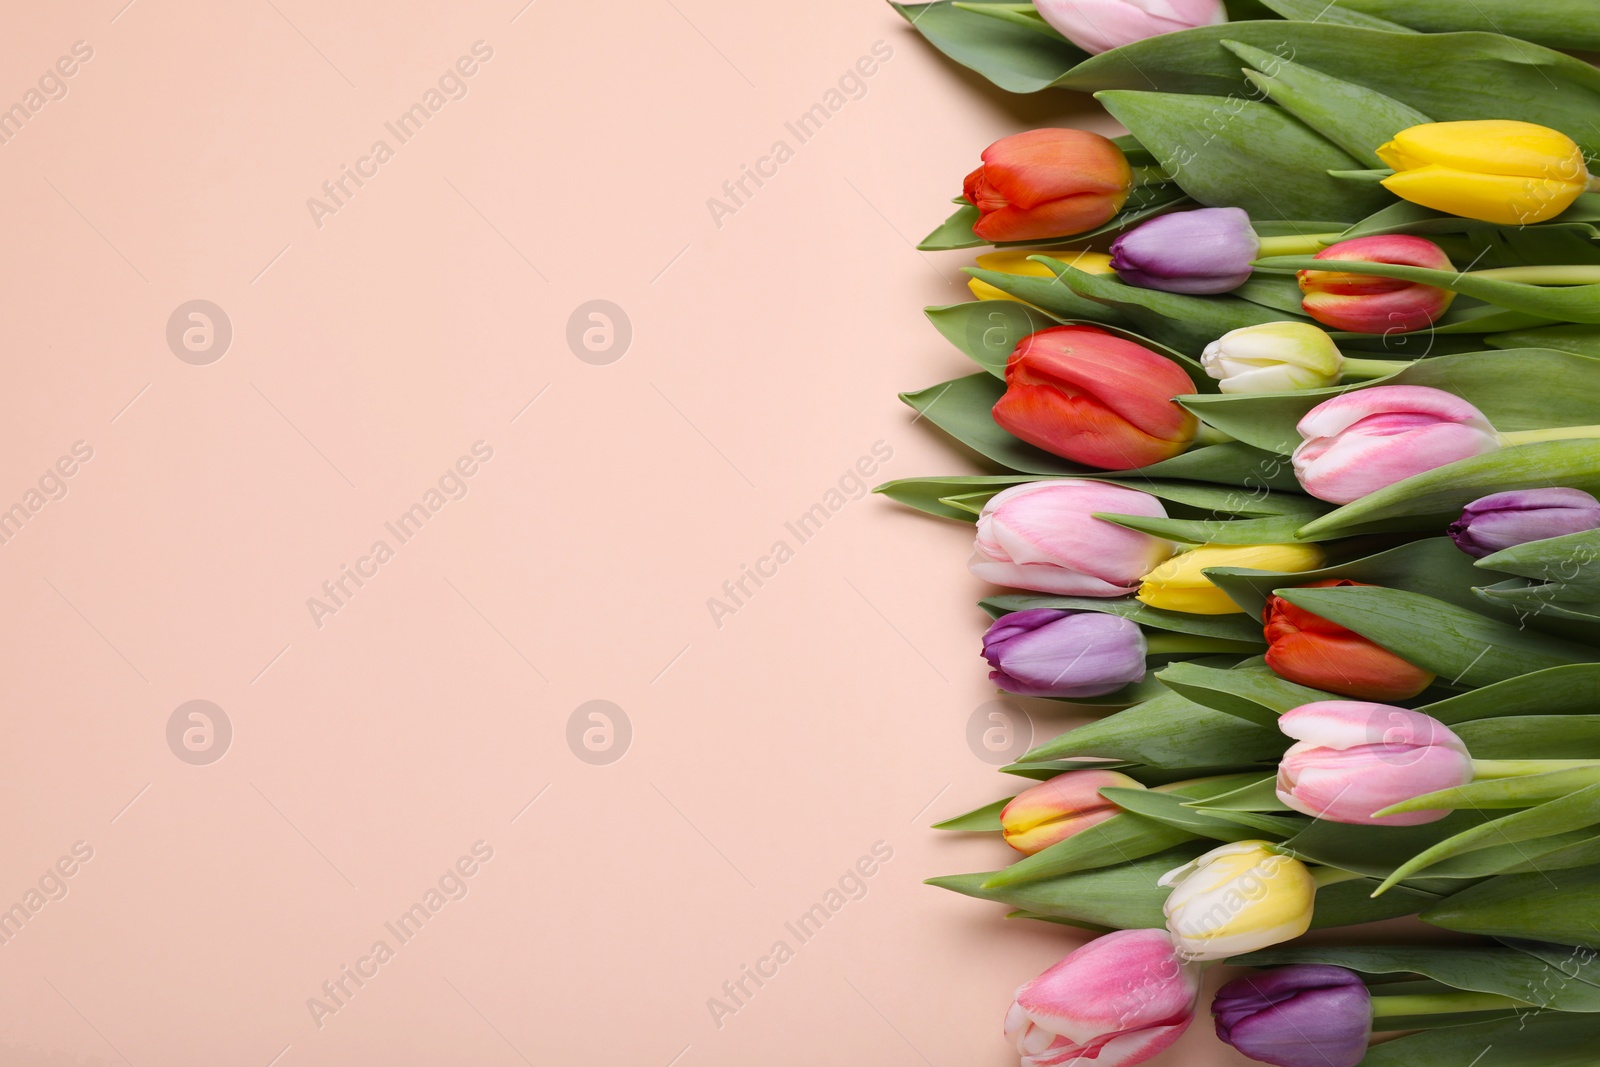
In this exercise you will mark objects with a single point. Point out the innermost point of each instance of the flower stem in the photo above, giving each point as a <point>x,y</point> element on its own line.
<point>1442,1003</point>
<point>1560,274</point>
<point>1170,643</point>
<point>1295,244</point>
<point>1517,768</point>
<point>1554,433</point>
<point>1359,369</point>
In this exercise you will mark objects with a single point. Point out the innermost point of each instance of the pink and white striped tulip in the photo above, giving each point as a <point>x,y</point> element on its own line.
<point>1366,439</point>
<point>1352,758</point>
<point>1100,25</point>
<point>1044,536</point>
<point>1119,1000</point>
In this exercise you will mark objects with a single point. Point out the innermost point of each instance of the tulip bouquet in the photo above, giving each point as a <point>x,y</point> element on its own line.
<point>1289,404</point>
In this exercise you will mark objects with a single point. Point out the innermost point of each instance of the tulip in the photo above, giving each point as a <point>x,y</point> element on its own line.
<point>1100,25</point>
<point>1496,170</point>
<point>1274,357</point>
<point>1043,536</point>
<point>1180,583</point>
<point>1018,263</point>
<point>1310,650</point>
<point>1047,183</point>
<point>1203,251</point>
<point>1501,520</point>
<point>1048,653</point>
<point>1352,758</point>
<point>1237,898</point>
<point>1086,395</point>
<point>1360,441</point>
<point>1054,810</point>
<point>1303,1015</point>
<point>1365,303</point>
<point>1116,1001</point>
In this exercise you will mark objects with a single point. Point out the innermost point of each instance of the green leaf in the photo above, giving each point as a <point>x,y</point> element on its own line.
<point>1557,23</point>
<point>1558,905</point>
<point>1434,567</point>
<point>1233,463</point>
<point>1015,58</point>
<point>1571,558</point>
<point>1254,694</point>
<point>979,820</point>
<point>1461,647</point>
<point>1259,795</point>
<point>1277,529</point>
<point>1169,809</point>
<point>1374,850</point>
<point>1171,731</point>
<point>1567,690</point>
<point>1581,338</point>
<point>1434,498</point>
<point>1024,15</point>
<point>1534,736</point>
<point>954,232</point>
<point>987,330</point>
<point>1521,791</point>
<point>1526,1039</point>
<point>1125,896</point>
<point>928,494</point>
<point>1117,840</point>
<point>1222,627</point>
<point>1220,150</point>
<point>1323,11</point>
<point>1354,117</point>
<point>1352,904</point>
<point>1505,971</point>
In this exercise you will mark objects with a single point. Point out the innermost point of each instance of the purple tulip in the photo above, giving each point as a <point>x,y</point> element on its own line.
<point>1043,652</point>
<point>1303,1015</point>
<point>1502,520</point>
<point>1204,251</point>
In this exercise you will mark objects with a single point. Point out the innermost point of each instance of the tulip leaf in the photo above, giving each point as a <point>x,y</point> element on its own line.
<point>979,820</point>
<point>1168,731</point>
<point>1526,389</point>
<point>1566,690</point>
<point>1561,303</point>
<point>1557,23</point>
<point>954,232</point>
<point>1436,497</point>
<point>1254,694</point>
<point>1233,463</point>
<point>1521,791</point>
<point>1259,795</point>
<point>987,330</point>
<point>927,494</point>
<point>1374,850</point>
<point>1323,11</point>
<point>1276,529</point>
<point>1535,736</point>
<point>1576,848</point>
<point>1354,117</point>
<point>1169,809</point>
<point>1448,75</point>
<point>1124,896</point>
<point>1577,964</point>
<point>1015,58</point>
<point>1276,291</point>
<point>1505,971</point>
<point>1222,627</point>
<point>1434,567</point>
<point>934,494</point>
<point>1220,149</point>
<point>1581,338</point>
<point>1117,840</point>
<point>1352,904</point>
<point>1569,558</point>
<point>1525,1039</point>
<point>1461,647</point>
<point>1555,905</point>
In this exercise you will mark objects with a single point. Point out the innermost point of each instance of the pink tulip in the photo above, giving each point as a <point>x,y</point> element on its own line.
<point>1119,1000</point>
<point>1043,536</point>
<point>1054,810</point>
<point>1366,439</point>
<point>1100,25</point>
<point>1351,758</point>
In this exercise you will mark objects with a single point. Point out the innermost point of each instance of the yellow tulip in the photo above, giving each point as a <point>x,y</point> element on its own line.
<point>1237,898</point>
<point>1179,585</point>
<point>1495,170</point>
<point>1017,262</point>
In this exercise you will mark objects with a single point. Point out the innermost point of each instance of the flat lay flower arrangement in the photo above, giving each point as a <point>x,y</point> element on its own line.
<point>1290,399</point>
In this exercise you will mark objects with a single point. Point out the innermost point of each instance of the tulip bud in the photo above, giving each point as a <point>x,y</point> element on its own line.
<point>1366,303</point>
<point>1496,170</point>
<point>1237,898</point>
<point>1043,536</point>
<point>1116,1001</point>
<point>1303,1015</point>
<point>1360,441</point>
<point>1086,395</point>
<point>1351,758</point>
<point>1309,650</point>
<point>1274,357</point>
<point>1018,263</point>
<point>1501,520</point>
<point>1100,25</point>
<point>1204,251</point>
<point>1047,653</point>
<point>1047,183</point>
<point>1053,811</point>
<point>1180,584</point>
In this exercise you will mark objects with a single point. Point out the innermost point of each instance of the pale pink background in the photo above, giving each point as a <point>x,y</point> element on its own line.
<point>368,354</point>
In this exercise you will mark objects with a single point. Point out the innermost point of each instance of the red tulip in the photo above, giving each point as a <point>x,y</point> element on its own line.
<point>1310,650</point>
<point>1047,183</point>
<point>1096,399</point>
<point>1365,303</point>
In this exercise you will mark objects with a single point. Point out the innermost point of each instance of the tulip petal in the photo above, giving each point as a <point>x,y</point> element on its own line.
<point>1508,200</point>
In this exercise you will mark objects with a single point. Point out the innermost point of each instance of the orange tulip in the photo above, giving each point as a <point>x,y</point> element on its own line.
<point>1310,650</point>
<point>1047,183</point>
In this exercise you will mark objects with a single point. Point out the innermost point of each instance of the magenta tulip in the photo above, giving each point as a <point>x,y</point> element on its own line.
<point>1366,439</point>
<point>1044,536</point>
<point>1352,758</point>
<point>1119,1000</point>
<point>1100,25</point>
<point>1502,520</point>
<point>1043,652</point>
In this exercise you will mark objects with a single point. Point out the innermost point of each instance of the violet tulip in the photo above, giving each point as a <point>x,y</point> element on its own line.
<point>1116,1001</point>
<point>1303,1015</point>
<point>1501,520</point>
<point>1366,303</point>
<point>1043,536</point>
<point>1052,811</point>
<point>1204,251</point>
<point>1044,652</point>
<point>1100,25</point>
<point>1352,758</point>
<point>1366,439</point>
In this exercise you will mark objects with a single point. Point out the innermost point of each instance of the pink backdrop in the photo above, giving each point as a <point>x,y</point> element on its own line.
<point>198,494</point>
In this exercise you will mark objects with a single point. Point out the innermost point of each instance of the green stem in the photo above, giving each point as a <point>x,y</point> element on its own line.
<point>1170,643</point>
<point>1516,768</point>
<point>1554,433</point>
<point>1567,274</point>
<point>1358,369</point>
<point>1442,1003</point>
<point>1594,184</point>
<point>1296,244</point>
<point>1210,435</point>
